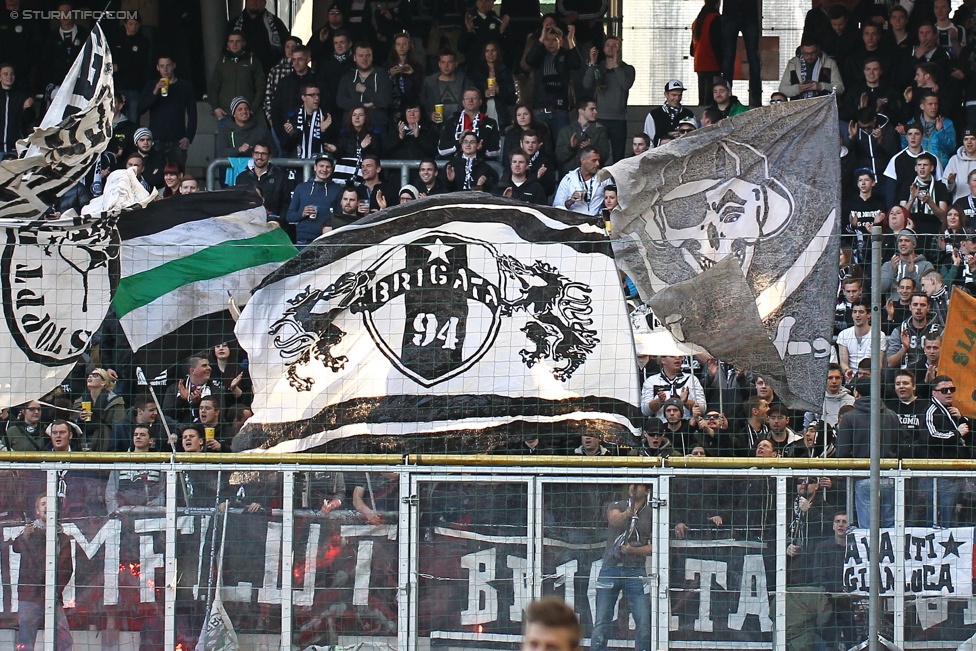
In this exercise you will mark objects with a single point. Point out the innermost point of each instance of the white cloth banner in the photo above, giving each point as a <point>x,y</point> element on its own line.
<point>937,561</point>
<point>454,314</point>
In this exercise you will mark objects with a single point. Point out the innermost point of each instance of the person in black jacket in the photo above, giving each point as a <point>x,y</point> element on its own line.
<point>132,56</point>
<point>31,545</point>
<point>516,185</point>
<point>358,137</point>
<point>60,49</point>
<point>470,118</point>
<point>552,63</point>
<point>415,138</point>
<point>21,38</point>
<point>467,170</point>
<point>16,112</point>
<point>947,431</point>
<point>272,182</point>
<point>427,178</point>
<point>264,31</point>
<point>172,107</point>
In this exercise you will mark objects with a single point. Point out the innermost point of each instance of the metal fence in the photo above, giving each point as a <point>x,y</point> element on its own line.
<point>306,165</point>
<point>448,552</point>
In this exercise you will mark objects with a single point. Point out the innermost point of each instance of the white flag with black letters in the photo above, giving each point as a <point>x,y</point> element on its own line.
<point>57,278</point>
<point>74,132</point>
<point>461,316</point>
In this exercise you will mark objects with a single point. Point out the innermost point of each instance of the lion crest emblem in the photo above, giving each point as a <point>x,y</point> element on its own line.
<point>434,308</point>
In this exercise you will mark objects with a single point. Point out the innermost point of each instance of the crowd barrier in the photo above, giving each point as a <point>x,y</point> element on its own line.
<point>306,165</point>
<point>440,552</point>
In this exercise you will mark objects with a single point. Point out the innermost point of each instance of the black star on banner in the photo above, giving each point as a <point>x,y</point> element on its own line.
<point>951,546</point>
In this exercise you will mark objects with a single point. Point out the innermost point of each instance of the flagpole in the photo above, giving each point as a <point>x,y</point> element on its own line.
<point>141,375</point>
<point>213,551</point>
<point>874,538</point>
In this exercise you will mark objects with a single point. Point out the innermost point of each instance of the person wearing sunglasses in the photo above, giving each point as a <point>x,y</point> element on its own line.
<point>948,432</point>
<point>26,434</point>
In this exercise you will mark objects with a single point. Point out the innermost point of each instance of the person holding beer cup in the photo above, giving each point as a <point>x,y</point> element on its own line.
<point>215,439</point>
<point>98,410</point>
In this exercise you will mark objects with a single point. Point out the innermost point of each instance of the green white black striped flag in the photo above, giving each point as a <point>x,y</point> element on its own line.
<point>182,260</point>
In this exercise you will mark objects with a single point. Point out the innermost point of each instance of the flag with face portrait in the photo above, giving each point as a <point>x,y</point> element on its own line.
<point>453,323</point>
<point>74,132</point>
<point>730,235</point>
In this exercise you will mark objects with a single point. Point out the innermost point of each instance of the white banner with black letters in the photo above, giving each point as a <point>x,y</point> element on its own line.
<point>462,315</point>
<point>74,132</point>
<point>57,278</point>
<point>937,561</point>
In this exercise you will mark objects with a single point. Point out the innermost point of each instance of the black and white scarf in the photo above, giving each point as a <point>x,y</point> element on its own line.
<point>274,38</point>
<point>919,205</point>
<point>468,171</point>
<point>671,111</point>
<point>311,137</point>
<point>465,123</point>
<point>807,75</point>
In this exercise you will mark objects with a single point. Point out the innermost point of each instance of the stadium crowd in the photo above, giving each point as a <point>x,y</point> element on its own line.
<point>505,100</point>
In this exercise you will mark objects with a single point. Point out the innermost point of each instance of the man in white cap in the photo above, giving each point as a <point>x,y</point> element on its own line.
<point>664,119</point>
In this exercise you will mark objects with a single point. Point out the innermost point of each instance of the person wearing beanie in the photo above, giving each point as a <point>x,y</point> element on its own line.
<point>723,100</point>
<point>654,440</point>
<point>408,193</point>
<point>906,263</point>
<point>153,161</point>
<point>237,136</point>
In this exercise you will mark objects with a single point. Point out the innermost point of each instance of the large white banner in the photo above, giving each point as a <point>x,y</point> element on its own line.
<point>937,561</point>
<point>452,316</point>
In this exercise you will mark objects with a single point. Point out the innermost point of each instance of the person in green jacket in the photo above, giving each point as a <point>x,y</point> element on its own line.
<point>238,74</point>
<point>581,133</point>
<point>723,100</point>
<point>27,434</point>
<point>99,410</point>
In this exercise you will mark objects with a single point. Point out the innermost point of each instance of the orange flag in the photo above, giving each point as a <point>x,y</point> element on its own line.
<point>958,357</point>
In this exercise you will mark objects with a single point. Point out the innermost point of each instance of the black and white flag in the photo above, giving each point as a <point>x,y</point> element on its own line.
<point>463,316</point>
<point>730,235</point>
<point>57,278</point>
<point>74,132</point>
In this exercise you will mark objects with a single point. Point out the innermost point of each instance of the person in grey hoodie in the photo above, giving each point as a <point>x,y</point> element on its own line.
<point>835,396</point>
<point>609,82</point>
<point>238,137</point>
<point>960,166</point>
<point>906,263</point>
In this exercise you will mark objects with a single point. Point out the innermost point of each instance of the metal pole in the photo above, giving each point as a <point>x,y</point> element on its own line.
<point>874,541</point>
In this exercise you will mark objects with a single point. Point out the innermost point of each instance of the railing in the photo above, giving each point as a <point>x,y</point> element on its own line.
<point>306,165</point>
<point>425,550</point>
